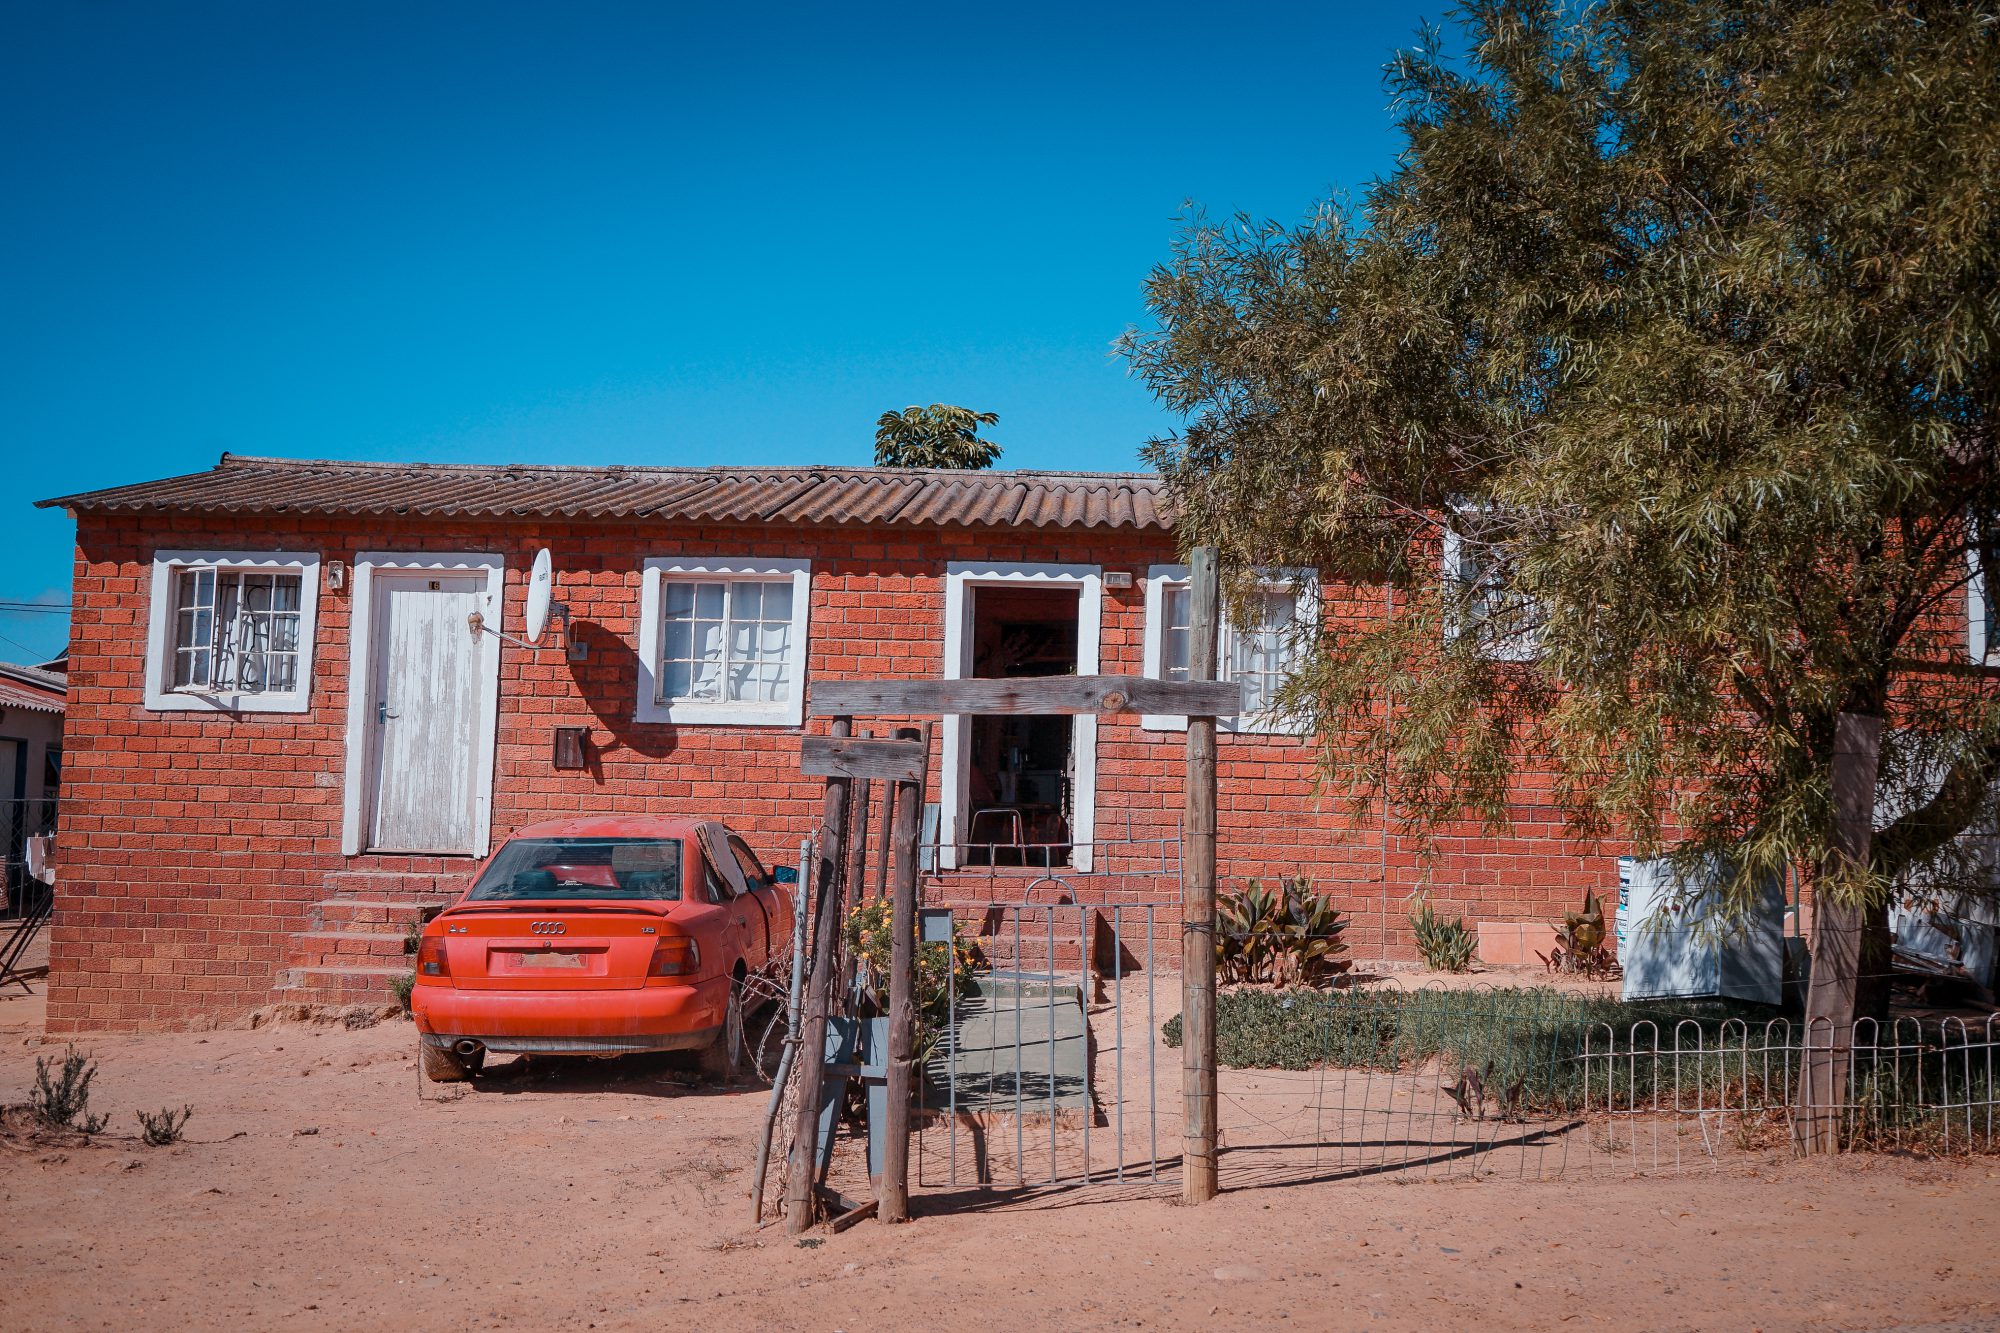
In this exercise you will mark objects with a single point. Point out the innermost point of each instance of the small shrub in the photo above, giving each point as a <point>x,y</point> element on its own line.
<point>63,1101</point>
<point>1580,949</point>
<point>404,985</point>
<point>1291,936</point>
<point>1445,945</point>
<point>943,970</point>
<point>164,1129</point>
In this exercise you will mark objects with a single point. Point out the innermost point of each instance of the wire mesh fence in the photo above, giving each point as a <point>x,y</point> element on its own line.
<point>1053,1067</point>
<point>1443,1082</point>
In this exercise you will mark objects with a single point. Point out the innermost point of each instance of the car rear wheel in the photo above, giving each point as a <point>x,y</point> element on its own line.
<point>724,1059</point>
<point>442,1065</point>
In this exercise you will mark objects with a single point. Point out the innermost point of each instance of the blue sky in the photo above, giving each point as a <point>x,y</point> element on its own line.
<point>605,233</point>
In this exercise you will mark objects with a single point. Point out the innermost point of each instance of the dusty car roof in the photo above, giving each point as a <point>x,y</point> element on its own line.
<point>613,826</point>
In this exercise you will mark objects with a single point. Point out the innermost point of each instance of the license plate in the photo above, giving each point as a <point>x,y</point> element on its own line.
<point>549,958</point>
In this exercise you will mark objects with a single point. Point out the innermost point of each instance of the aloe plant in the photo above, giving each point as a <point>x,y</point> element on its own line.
<point>1287,937</point>
<point>1445,945</point>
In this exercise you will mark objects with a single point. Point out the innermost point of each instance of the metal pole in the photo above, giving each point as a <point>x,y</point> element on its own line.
<point>786,1057</point>
<point>894,1191</point>
<point>1198,1167</point>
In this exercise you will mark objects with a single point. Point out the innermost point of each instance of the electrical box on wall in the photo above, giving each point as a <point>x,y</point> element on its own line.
<point>572,747</point>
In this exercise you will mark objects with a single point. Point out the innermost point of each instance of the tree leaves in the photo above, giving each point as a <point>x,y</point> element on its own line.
<point>1685,312</point>
<point>939,436</point>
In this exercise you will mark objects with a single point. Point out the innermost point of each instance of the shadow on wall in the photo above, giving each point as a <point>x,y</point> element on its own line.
<point>608,681</point>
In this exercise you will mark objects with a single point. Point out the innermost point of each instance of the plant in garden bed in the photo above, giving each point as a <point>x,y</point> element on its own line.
<point>1520,1046</point>
<point>1288,937</point>
<point>943,970</point>
<point>1444,945</point>
<point>1580,950</point>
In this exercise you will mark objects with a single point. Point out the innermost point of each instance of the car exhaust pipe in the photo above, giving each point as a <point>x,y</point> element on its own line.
<point>468,1048</point>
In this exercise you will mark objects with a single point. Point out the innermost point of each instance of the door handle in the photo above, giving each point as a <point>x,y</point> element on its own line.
<point>742,921</point>
<point>382,713</point>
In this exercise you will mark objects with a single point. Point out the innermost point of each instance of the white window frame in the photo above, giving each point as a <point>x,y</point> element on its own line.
<point>1976,644</point>
<point>656,572</point>
<point>1305,585</point>
<point>954,803</point>
<point>1521,647</point>
<point>162,697</point>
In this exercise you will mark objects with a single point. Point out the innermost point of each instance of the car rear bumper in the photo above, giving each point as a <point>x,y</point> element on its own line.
<point>598,1022</point>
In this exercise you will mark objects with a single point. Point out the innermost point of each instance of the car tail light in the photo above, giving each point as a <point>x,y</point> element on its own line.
<point>675,956</point>
<point>431,960</point>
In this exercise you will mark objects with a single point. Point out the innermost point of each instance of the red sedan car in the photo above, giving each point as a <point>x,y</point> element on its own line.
<point>600,937</point>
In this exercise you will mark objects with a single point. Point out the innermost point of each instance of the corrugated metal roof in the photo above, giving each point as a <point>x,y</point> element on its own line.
<point>813,495</point>
<point>32,688</point>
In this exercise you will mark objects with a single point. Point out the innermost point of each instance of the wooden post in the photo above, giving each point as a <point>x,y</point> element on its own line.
<point>885,853</point>
<point>1198,1165</point>
<point>801,1205</point>
<point>893,1190</point>
<point>857,838</point>
<point>1833,996</point>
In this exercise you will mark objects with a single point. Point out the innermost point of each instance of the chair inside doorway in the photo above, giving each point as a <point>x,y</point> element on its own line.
<point>1021,771</point>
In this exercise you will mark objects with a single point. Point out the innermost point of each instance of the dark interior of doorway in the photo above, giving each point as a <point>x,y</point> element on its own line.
<point>1021,782</point>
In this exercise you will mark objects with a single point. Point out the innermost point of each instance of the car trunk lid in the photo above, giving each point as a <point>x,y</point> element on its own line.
<point>551,946</point>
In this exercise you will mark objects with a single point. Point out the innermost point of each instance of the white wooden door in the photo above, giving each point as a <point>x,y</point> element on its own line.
<point>426,686</point>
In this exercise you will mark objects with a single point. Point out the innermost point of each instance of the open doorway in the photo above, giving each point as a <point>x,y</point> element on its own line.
<point>1020,772</point>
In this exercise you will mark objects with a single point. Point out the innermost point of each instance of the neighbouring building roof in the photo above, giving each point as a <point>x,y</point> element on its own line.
<point>815,495</point>
<point>32,688</point>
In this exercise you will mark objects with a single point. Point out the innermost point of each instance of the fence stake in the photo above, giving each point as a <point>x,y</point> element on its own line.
<point>1198,1165</point>
<point>801,1207</point>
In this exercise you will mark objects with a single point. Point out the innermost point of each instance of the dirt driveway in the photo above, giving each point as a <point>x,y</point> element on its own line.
<point>319,1192</point>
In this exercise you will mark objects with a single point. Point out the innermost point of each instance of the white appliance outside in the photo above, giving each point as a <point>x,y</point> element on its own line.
<point>1671,942</point>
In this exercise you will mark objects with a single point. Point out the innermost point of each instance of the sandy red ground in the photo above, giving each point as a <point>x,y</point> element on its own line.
<point>318,1191</point>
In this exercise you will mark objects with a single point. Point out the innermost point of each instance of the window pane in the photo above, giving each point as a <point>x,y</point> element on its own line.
<point>733,640</point>
<point>1174,612</point>
<point>675,678</point>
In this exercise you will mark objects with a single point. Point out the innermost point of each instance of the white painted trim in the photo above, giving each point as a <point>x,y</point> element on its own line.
<point>1519,648</point>
<point>1089,582</point>
<point>649,707</point>
<point>1304,582</point>
<point>1976,645</point>
<point>355,795</point>
<point>162,698</point>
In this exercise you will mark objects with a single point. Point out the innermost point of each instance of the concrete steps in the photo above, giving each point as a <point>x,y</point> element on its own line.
<point>355,948</point>
<point>339,985</point>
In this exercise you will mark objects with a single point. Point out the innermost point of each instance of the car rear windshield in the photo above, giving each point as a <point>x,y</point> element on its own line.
<point>627,868</point>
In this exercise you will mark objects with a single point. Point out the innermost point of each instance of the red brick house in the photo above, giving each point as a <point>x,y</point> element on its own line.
<point>283,737</point>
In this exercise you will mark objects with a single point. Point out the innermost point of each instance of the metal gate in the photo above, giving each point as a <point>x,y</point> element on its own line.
<point>1047,1069</point>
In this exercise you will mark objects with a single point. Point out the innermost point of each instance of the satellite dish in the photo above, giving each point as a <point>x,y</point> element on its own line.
<point>541,587</point>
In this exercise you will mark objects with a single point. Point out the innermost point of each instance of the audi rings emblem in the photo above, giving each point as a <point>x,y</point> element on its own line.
<point>547,927</point>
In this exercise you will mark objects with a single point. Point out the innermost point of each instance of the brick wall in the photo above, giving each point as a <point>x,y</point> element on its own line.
<point>195,847</point>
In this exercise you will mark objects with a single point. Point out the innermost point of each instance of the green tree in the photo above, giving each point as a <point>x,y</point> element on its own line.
<point>1657,384</point>
<point>936,436</point>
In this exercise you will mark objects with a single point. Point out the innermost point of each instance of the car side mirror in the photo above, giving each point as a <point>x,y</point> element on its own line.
<point>784,874</point>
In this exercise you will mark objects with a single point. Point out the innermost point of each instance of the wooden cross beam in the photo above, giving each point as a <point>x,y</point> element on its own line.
<point>1024,695</point>
<point>853,757</point>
